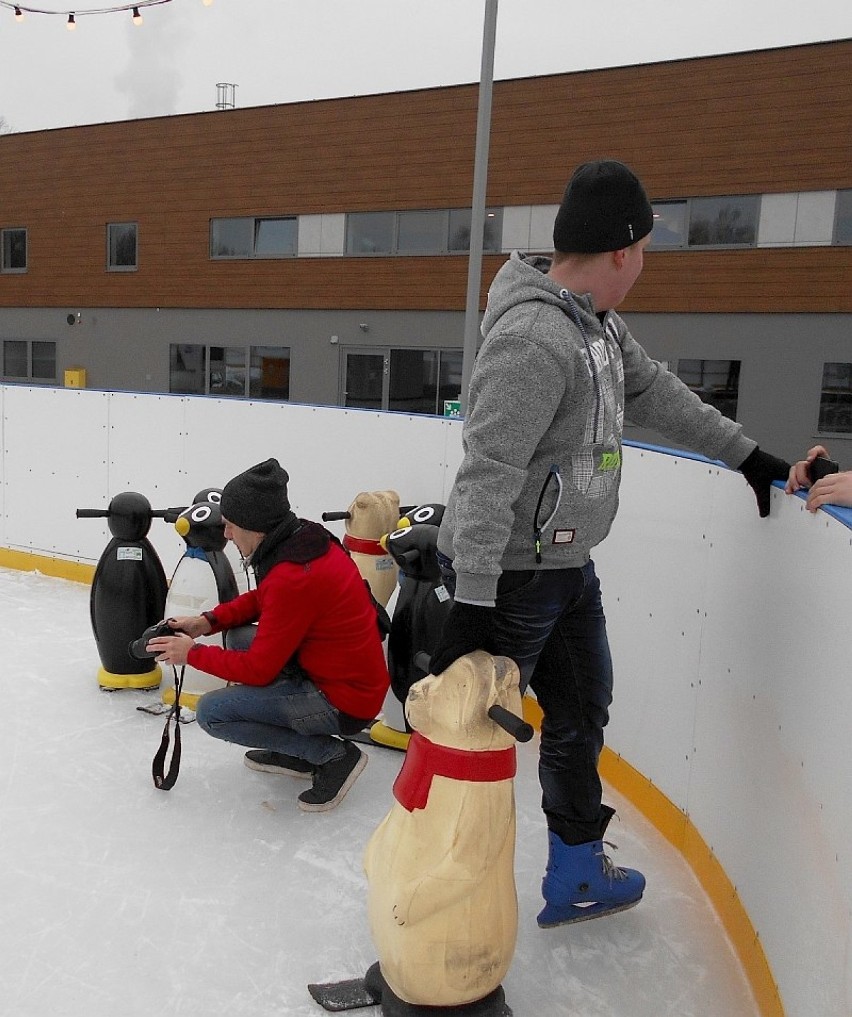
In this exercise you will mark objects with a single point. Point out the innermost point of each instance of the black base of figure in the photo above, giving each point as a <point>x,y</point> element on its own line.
<point>373,990</point>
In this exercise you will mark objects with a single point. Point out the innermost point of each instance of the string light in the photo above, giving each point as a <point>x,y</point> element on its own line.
<point>71,23</point>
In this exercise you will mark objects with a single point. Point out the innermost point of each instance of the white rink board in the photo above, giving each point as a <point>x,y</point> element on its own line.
<point>731,634</point>
<point>732,646</point>
<point>66,449</point>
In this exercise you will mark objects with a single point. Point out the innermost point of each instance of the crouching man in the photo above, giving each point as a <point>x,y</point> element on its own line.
<point>313,669</point>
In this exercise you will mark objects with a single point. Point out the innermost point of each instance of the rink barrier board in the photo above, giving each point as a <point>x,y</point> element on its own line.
<point>663,814</point>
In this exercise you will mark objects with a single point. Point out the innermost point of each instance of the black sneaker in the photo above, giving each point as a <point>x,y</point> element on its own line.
<point>278,762</point>
<point>332,780</point>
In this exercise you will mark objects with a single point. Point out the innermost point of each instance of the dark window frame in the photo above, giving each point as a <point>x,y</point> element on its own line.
<point>392,248</point>
<point>34,357</point>
<point>115,245</point>
<point>254,224</point>
<point>223,376</point>
<point>8,253</point>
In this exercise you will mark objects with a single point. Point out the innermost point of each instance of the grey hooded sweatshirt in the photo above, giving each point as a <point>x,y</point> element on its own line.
<point>538,485</point>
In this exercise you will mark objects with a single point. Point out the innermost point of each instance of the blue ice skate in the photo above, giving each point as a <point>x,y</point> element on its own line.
<point>581,882</point>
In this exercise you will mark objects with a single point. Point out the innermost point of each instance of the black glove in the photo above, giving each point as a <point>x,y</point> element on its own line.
<point>466,628</point>
<point>760,469</point>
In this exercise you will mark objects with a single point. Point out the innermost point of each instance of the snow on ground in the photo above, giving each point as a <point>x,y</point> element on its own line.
<point>221,897</point>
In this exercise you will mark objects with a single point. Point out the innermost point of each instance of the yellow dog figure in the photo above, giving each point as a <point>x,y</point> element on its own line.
<point>441,899</point>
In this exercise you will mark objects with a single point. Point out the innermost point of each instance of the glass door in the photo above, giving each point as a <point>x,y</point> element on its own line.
<point>365,379</point>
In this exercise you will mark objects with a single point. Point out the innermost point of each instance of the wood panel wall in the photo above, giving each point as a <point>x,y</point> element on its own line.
<point>771,121</point>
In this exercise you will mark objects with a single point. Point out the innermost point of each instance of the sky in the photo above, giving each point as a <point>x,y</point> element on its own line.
<point>278,51</point>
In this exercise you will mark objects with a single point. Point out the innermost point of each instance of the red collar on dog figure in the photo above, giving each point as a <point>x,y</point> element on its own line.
<point>425,760</point>
<point>360,545</point>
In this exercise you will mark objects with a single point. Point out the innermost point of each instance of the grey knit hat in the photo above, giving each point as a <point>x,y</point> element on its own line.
<point>257,499</point>
<point>605,208</point>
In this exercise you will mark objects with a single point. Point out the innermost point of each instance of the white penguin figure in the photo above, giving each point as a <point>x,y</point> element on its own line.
<point>202,579</point>
<point>440,867</point>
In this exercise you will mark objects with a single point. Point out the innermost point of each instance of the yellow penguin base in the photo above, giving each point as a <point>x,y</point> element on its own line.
<point>148,680</point>
<point>381,734</point>
<point>188,700</point>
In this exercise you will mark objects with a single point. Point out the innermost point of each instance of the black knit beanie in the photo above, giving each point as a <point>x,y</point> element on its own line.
<point>605,208</point>
<point>257,499</point>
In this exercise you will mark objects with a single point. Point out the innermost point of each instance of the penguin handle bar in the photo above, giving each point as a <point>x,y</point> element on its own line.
<point>514,725</point>
<point>92,513</point>
<point>331,517</point>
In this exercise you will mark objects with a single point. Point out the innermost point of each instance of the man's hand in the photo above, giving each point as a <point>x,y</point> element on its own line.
<point>466,628</point>
<point>193,625</point>
<point>760,469</point>
<point>171,649</point>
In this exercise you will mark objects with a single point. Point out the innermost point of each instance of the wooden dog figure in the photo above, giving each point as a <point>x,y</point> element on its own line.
<point>370,516</point>
<point>440,867</point>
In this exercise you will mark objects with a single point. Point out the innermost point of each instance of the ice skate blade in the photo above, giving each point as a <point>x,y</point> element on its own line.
<point>551,916</point>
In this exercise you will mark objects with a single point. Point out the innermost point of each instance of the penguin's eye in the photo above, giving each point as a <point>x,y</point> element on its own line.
<point>201,513</point>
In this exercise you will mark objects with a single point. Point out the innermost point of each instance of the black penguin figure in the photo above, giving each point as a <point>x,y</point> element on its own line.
<point>128,592</point>
<point>422,604</point>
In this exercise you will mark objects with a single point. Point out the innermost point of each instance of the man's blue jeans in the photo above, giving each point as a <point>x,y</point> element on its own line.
<point>551,623</point>
<point>290,715</point>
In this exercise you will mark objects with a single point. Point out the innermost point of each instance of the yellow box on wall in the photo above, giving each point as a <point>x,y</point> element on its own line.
<point>75,377</point>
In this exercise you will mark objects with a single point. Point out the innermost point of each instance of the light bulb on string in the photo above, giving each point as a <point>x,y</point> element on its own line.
<point>137,17</point>
<point>71,24</point>
<point>19,14</point>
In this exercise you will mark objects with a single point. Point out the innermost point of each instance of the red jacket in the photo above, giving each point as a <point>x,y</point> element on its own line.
<point>320,611</point>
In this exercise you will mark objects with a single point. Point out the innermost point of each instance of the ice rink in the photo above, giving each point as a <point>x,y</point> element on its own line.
<point>221,897</point>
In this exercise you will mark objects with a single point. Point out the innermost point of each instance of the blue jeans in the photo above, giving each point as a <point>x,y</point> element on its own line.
<point>290,715</point>
<point>551,623</point>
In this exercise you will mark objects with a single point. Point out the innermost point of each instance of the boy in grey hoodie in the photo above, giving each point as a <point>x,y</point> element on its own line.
<point>538,489</point>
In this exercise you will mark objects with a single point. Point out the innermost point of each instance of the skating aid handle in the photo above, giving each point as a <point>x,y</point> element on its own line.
<point>333,517</point>
<point>92,513</point>
<point>514,725</point>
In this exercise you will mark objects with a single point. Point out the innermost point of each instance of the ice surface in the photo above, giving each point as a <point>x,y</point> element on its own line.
<point>220,897</point>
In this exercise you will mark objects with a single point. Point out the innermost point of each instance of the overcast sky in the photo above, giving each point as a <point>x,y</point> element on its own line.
<point>287,50</point>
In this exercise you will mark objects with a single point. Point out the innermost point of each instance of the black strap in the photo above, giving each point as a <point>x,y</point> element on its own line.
<point>166,781</point>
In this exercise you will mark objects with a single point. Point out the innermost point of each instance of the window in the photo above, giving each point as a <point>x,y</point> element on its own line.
<point>14,247</point>
<point>835,405</point>
<point>121,246</point>
<point>727,222</point>
<point>843,218</point>
<point>188,369</point>
<point>427,231</point>
<point>421,232</point>
<point>370,233</point>
<point>195,369</point>
<point>269,377</point>
<point>250,237</point>
<point>492,235</point>
<point>29,360</point>
<point>716,382</point>
<point>669,224</point>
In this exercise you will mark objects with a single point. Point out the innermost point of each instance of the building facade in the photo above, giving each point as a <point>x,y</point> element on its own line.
<point>317,251</point>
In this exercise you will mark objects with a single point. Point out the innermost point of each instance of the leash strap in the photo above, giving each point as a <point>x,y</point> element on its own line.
<point>166,781</point>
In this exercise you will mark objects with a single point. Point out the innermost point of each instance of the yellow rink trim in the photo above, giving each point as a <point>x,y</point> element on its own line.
<point>672,823</point>
<point>58,568</point>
